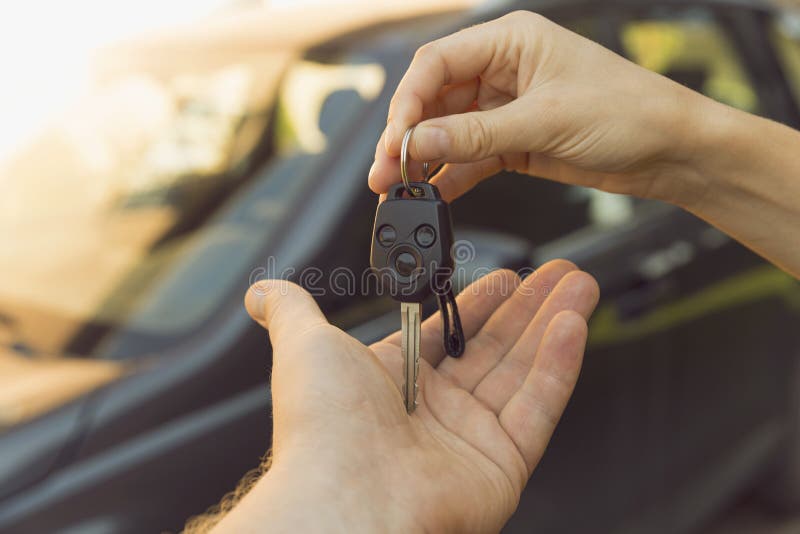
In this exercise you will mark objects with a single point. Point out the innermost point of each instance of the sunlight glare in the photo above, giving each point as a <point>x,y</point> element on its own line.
<point>46,48</point>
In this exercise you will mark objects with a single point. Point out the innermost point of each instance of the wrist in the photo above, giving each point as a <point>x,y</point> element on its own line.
<point>717,143</point>
<point>745,173</point>
<point>317,496</point>
<point>736,155</point>
<point>695,128</point>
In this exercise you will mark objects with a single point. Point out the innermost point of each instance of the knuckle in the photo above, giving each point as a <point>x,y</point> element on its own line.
<point>508,274</point>
<point>541,406</point>
<point>507,281</point>
<point>425,52</point>
<point>550,117</point>
<point>429,56</point>
<point>530,24</point>
<point>392,107</point>
<point>478,136</point>
<point>524,17</point>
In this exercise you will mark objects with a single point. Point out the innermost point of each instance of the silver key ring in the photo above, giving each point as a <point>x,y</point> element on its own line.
<point>412,191</point>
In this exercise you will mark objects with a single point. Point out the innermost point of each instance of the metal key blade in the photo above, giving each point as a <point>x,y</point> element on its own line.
<point>409,345</point>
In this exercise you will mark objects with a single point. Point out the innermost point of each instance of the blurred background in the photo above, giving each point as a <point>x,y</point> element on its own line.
<point>154,154</point>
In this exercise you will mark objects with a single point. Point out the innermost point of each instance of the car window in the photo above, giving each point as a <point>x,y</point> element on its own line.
<point>317,102</point>
<point>786,36</point>
<point>113,201</point>
<point>121,178</point>
<point>692,48</point>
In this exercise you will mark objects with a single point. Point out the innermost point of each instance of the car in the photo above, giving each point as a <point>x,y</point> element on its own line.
<point>135,389</point>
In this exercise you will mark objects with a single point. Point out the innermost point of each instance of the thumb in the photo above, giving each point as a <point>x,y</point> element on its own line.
<point>473,136</point>
<point>283,308</point>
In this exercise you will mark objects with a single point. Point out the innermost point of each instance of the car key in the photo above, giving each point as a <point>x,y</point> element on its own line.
<point>411,253</point>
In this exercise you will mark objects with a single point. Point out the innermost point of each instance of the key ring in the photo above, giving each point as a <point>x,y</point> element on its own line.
<point>412,191</point>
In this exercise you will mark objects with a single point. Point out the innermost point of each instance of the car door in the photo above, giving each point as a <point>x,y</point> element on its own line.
<point>687,380</point>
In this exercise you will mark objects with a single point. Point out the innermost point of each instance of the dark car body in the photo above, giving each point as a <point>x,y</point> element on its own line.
<point>688,393</point>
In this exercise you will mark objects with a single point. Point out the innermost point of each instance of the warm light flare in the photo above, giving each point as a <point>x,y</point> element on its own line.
<point>46,49</point>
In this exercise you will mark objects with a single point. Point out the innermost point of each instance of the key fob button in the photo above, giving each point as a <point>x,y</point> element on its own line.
<point>422,228</point>
<point>425,235</point>
<point>405,263</point>
<point>387,235</point>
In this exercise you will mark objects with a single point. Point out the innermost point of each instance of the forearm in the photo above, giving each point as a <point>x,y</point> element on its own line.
<point>748,173</point>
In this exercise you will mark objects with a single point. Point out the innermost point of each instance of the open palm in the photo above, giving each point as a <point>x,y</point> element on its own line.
<point>461,460</point>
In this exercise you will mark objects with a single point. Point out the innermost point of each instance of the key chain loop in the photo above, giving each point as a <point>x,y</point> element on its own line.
<point>412,191</point>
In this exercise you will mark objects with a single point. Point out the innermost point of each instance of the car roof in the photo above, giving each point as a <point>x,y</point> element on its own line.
<point>429,26</point>
<point>550,4</point>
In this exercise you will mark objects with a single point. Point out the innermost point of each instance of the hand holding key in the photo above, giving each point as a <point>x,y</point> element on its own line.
<point>524,94</point>
<point>347,456</point>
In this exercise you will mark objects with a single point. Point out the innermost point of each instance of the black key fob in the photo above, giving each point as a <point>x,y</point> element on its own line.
<point>411,243</point>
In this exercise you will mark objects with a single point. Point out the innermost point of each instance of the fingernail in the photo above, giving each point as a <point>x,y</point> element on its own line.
<point>433,140</point>
<point>389,139</point>
<point>371,171</point>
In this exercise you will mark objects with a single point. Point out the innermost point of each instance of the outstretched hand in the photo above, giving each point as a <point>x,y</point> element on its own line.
<point>345,453</point>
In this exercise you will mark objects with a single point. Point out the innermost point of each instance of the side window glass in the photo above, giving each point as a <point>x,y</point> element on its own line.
<point>786,36</point>
<point>693,49</point>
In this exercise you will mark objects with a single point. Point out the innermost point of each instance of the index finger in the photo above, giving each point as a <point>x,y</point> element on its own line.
<point>454,59</point>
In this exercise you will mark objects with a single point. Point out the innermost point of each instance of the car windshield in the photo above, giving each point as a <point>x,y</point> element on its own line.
<point>125,182</point>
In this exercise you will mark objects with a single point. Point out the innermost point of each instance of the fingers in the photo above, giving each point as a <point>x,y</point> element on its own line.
<point>576,291</point>
<point>454,59</point>
<point>385,171</point>
<point>458,412</point>
<point>533,412</point>
<point>468,137</point>
<point>476,137</point>
<point>504,327</point>
<point>476,303</point>
<point>455,98</point>
<point>444,79</point>
<point>283,308</point>
<point>455,179</point>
